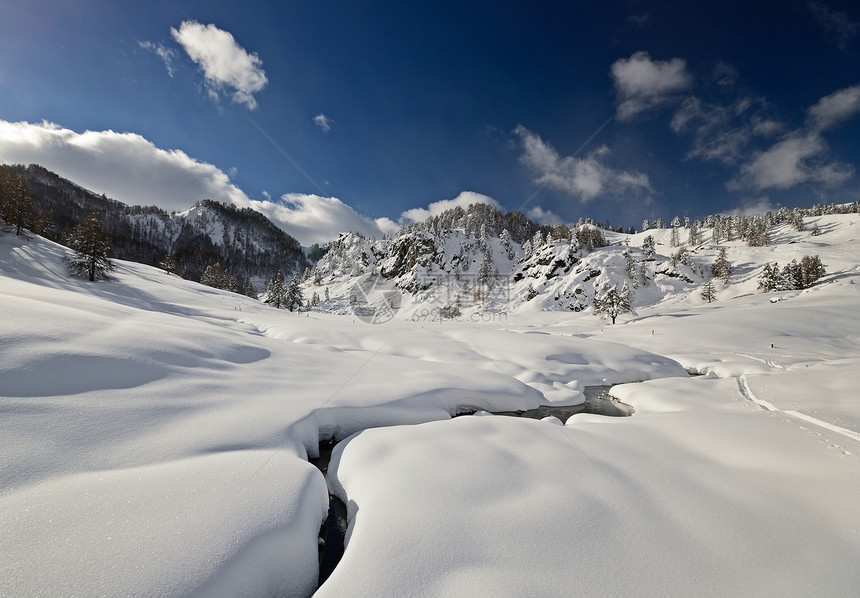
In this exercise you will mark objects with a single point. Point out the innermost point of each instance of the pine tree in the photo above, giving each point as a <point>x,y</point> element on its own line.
<point>790,277</point>
<point>648,247</point>
<point>769,279</point>
<point>644,277</point>
<point>695,237</point>
<point>721,267</point>
<point>811,270</point>
<point>168,264</point>
<point>611,303</point>
<point>218,277</point>
<point>294,298</point>
<point>675,238</point>
<point>527,249</point>
<point>91,246</point>
<point>507,245</point>
<point>275,290</point>
<point>756,234</point>
<point>709,292</point>
<point>16,201</point>
<point>629,264</point>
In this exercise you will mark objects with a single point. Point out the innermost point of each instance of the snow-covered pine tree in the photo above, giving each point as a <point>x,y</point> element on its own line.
<point>294,298</point>
<point>648,246</point>
<point>790,277</point>
<point>630,264</point>
<point>217,276</point>
<point>722,268</point>
<point>695,236</point>
<point>709,292</point>
<point>611,303</point>
<point>644,277</point>
<point>769,279</point>
<point>507,243</point>
<point>811,270</point>
<point>275,291</point>
<point>675,237</point>
<point>527,249</point>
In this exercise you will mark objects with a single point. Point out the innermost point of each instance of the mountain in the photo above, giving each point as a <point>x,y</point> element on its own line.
<point>465,264</point>
<point>242,240</point>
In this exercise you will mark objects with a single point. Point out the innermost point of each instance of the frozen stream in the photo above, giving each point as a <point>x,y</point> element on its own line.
<point>333,531</point>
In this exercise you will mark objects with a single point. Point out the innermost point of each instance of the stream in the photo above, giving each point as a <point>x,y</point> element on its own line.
<point>333,530</point>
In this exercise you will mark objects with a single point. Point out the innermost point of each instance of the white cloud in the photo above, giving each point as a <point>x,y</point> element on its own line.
<point>723,133</point>
<point>835,108</point>
<point>166,54</point>
<point>751,207</point>
<point>463,200</point>
<point>541,216</point>
<point>838,27</point>
<point>316,219</point>
<point>801,156</point>
<point>795,159</point>
<point>224,62</point>
<point>585,178</point>
<point>643,84</point>
<point>124,166</point>
<point>323,122</point>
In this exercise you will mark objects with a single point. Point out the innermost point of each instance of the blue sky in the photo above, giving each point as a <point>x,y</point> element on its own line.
<point>336,115</point>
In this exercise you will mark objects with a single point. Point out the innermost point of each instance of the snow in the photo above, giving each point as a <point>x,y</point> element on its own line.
<point>154,435</point>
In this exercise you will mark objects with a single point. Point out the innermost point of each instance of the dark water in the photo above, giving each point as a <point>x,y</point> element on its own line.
<point>597,402</point>
<point>332,533</point>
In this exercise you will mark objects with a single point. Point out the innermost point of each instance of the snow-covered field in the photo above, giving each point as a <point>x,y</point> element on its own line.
<point>154,435</point>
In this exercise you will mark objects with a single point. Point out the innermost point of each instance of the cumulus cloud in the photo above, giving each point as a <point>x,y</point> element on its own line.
<point>840,29</point>
<point>225,64</point>
<point>751,207</point>
<point>802,155</point>
<point>167,55</point>
<point>584,178</point>
<point>323,122</point>
<point>795,159</point>
<point>541,216</point>
<point>316,219</point>
<point>643,84</point>
<point>463,200</point>
<point>835,108</point>
<point>124,166</point>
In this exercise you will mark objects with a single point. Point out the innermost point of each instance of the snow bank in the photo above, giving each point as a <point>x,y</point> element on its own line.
<point>700,493</point>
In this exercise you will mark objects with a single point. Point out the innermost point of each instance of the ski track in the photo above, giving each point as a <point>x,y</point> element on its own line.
<point>768,361</point>
<point>748,394</point>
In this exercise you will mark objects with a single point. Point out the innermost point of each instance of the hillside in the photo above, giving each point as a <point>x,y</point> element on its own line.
<point>244,241</point>
<point>154,433</point>
<point>431,272</point>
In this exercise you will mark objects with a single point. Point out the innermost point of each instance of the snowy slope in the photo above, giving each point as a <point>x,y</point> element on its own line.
<point>154,432</point>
